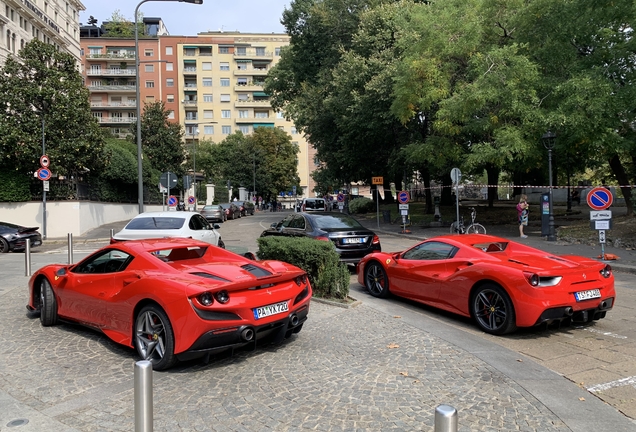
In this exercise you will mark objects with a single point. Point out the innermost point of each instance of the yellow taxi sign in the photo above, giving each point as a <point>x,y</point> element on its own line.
<point>377,180</point>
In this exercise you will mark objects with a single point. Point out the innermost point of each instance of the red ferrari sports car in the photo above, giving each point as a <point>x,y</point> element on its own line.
<point>174,299</point>
<point>501,284</point>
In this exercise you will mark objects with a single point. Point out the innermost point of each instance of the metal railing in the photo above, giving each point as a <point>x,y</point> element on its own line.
<point>117,72</point>
<point>112,87</point>
<point>114,104</point>
<point>111,56</point>
<point>116,119</point>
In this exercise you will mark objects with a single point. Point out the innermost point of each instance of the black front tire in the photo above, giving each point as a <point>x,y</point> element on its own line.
<point>48,304</point>
<point>376,280</point>
<point>154,338</point>
<point>221,244</point>
<point>493,310</point>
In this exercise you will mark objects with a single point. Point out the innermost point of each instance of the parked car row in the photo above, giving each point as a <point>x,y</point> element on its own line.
<point>225,211</point>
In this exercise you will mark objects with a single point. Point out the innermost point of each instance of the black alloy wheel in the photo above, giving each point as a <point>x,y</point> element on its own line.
<point>376,280</point>
<point>493,310</point>
<point>4,245</point>
<point>154,339</point>
<point>48,304</point>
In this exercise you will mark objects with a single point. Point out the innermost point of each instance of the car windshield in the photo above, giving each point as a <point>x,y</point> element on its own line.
<point>336,221</point>
<point>154,223</point>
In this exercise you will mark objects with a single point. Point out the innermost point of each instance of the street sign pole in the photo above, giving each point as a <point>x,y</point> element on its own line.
<point>456,176</point>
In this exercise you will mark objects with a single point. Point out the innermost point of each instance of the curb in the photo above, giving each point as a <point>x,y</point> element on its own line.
<point>338,304</point>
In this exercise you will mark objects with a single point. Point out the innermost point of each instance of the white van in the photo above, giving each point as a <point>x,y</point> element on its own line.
<point>313,204</point>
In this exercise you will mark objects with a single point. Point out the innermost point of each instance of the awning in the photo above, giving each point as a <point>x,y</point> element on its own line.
<point>95,46</point>
<point>190,91</point>
<point>260,94</point>
<point>267,125</point>
<point>189,61</point>
<point>191,47</point>
<point>243,61</point>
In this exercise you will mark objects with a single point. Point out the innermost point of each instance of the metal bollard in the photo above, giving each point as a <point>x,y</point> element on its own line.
<point>70,248</point>
<point>143,396</point>
<point>112,233</point>
<point>27,258</point>
<point>445,419</point>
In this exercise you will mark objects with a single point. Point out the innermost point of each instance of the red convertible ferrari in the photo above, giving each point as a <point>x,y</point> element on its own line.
<point>174,299</point>
<point>501,284</point>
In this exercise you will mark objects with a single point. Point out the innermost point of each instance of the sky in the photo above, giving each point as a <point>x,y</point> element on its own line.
<point>246,16</point>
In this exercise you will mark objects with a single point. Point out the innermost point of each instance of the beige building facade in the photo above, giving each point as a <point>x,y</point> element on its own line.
<point>55,22</point>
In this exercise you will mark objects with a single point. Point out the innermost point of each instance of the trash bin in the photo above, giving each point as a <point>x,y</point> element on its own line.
<point>386,216</point>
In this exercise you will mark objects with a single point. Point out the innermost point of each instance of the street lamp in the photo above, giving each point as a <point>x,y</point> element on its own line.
<point>140,178</point>
<point>548,139</point>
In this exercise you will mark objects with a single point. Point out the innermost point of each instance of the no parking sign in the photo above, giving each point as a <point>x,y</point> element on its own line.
<point>599,198</point>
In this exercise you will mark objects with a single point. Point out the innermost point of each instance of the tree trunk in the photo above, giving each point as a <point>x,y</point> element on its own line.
<point>426,176</point>
<point>623,180</point>
<point>493,180</point>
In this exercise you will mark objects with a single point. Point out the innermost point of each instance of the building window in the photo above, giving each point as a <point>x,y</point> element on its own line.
<point>225,82</point>
<point>168,50</point>
<point>207,98</point>
<point>150,84</point>
<point>242,66</point>
<point>261,114</point>
<point>190,52</point>
<point>279,115</point>
<point>243,97</point>
<point>171,114</point>
<point>260,51</point>
<point>244,114</point>
<point>281,128</point>
<point>208,130</point>
<point>225,113</point>
<point>293,130</point>
<point>208,114</point>
<point>277,51</point>
<point>241,51</point>
<point>191,115</point>
<point>169,66</point>
<point>241,81</point>
<point>149,52</point>
<point>206,66</point>
<point>207,82</point>
<point>224,50</point>
<point>170,98</point>
<point>150,99</point>
<point>169,82</point>
<point>225,98</point>
<point>226,130</point>
<point>224,66</point>
<point>244,129</point>
<point>149,68</point>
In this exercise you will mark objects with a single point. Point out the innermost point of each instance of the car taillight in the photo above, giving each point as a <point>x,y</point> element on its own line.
<point>223,297</point>
<point>206,299</point>
<point>376,239</point>
<point>532,278</point>
<point>324,238</point>
<point>606,271</point>
<point>301,280</point>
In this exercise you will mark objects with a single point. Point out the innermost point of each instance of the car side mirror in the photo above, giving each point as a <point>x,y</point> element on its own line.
<point>397,255</point>
<point>250,255</point>
<point>274,225</point>
<point>61,272</point>
<point>216,226</point>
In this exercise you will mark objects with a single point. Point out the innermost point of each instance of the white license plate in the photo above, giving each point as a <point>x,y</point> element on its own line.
<point>586,295</point>
<point>353,240</point>
<point>269,310</point>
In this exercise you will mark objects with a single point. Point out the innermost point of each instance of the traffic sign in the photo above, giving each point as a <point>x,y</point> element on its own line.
<point>44,161</point>
<point>403,197</point>
<point>168,177</point>
<point>377,180</point>
<point>599,198</point>
<point>340,198</point>
<point>600,215</point>
<point>44,173</point>
<point>456,175</point>
<point>172,201</point>
<point>601,236</point>
<point>190,200</point>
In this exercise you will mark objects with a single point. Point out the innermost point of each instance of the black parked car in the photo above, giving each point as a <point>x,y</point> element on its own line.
<point>351,239</point>
<point>232,211</point>
<point>14,237</point>
<point>247,207</point>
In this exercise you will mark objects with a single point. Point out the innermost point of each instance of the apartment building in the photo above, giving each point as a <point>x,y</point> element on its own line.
<point>55,22</point>
<point>211,83</point>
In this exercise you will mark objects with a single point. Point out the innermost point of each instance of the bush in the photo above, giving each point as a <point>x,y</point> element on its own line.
<point>14,186</point>
<point>361,205</point>
<point>328,277</point>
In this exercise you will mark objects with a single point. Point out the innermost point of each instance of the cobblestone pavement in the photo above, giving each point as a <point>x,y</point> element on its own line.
<point>382,365</point>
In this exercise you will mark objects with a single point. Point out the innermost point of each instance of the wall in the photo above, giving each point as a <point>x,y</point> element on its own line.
<point>63,217</point>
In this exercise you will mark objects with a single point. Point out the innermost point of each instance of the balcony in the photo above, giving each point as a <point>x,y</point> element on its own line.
<point>252,119</point>
<point>111,72</point>
<point>190,86</point>
<point>112,88</point>
<point>118,120</point>
<point>254,54</point>
<point>250,86</point>
<point>113,56</point>
<point>190,69</point>
<point>251,103</point>
<point>190,103</point>
<point>252,71</point>
<point>113,105</point>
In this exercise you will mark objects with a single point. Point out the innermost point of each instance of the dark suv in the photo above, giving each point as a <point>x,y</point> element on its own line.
<point>247,207</point>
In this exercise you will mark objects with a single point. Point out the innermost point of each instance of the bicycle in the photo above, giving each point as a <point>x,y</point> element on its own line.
<point>473,228</point>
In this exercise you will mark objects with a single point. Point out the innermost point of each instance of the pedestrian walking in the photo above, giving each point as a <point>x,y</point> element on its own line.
<point>522,214</point>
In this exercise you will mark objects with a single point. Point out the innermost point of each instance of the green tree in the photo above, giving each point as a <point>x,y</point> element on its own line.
<point>118,26</point>
<point>42,87</point>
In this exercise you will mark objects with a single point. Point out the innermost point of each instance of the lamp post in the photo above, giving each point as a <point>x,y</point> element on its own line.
<point>548,139</point>
<point>140,178</point>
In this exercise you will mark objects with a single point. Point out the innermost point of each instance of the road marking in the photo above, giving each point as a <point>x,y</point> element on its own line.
<point>610,334</point>
<point>618,383</point>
